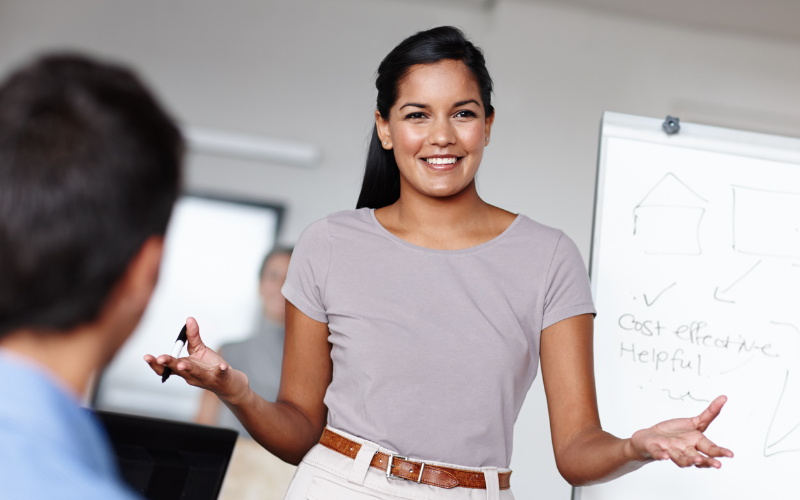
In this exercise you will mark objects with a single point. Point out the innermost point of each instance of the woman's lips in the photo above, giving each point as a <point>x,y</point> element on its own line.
<point>442,164</point>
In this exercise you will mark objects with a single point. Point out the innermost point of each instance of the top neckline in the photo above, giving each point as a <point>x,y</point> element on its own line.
<point>412,246</point>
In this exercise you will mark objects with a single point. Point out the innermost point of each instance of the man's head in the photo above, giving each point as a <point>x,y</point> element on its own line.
<point>89,172</point>
<point>273,272</point>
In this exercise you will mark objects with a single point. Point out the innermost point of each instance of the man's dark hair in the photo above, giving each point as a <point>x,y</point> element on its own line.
<point>89,170</point>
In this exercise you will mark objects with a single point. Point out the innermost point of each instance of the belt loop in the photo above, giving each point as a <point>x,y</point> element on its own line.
<point>492,483</point>
<point>361,464</point>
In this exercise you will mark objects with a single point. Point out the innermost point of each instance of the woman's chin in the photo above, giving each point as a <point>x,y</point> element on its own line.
<point>443,191</point>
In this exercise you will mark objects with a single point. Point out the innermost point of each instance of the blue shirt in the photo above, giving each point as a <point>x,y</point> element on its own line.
<point>50,447</point>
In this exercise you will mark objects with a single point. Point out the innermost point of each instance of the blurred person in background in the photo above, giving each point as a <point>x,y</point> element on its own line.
<point>260,356</point>
<point>416,323</point>
<point>253,472</point>
<point>89,172</point>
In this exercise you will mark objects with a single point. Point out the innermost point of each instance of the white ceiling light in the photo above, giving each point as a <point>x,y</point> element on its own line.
<point>485,4</point>
<point>251,147</point>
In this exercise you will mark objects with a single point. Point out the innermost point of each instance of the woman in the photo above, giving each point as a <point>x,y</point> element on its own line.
<point>415,323</point>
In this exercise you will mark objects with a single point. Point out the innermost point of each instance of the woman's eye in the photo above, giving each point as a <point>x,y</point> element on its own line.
<point>415,116</point>
<point>465,113</point>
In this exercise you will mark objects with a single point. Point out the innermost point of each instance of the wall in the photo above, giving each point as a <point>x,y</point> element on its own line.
<point>303,70</point>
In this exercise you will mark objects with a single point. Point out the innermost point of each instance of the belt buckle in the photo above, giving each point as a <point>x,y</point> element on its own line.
<point>394,477</point>
<point>389,474</point>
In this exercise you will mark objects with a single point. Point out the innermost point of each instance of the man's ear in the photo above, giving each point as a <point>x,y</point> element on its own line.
<point>141,276</point>
<point>130,296</point>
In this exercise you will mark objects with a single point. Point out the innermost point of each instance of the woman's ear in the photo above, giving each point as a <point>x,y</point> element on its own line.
<point>384,133</point>
<point>487,132</point>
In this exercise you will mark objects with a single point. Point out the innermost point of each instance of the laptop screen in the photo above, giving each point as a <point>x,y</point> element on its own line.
<point>167,460</point>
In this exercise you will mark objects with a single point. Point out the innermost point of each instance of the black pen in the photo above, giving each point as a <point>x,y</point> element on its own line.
<point>176,352</point>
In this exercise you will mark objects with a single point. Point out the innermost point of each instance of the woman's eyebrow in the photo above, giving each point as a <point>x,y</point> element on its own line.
<point>459,103</point>
<point>414,104</point>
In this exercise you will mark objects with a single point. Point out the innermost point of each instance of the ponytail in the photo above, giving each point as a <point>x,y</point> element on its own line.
<point>381,186</point>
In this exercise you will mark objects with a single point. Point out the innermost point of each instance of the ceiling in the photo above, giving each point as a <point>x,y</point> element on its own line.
<point>770,18</point>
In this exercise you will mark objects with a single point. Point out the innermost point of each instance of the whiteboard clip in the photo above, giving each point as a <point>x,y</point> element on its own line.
<point>671,125</point>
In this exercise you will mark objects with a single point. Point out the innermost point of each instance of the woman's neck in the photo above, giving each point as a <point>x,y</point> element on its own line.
<point>460,221</point>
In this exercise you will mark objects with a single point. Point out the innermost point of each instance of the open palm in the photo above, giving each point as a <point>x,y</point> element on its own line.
<point>682,440</point>
<point>203,367</point>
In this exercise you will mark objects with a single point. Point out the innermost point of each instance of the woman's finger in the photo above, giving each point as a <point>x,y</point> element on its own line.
<point>151,360</point>
<point>712,450</point>
<point>180,364</point>
<point>704,462</point>
<point>680,459</point>
<point>708,463</point>
<point>194,343</point>
<point>180,368</point>
<point>694,457</point>
<point>165,359</point>
<point>184,365</point>
<point>702,421</point>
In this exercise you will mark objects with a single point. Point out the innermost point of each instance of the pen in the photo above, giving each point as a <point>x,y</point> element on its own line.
<point>176,352</point>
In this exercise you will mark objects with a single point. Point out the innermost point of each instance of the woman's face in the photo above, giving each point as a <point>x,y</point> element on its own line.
<point>437,128</point>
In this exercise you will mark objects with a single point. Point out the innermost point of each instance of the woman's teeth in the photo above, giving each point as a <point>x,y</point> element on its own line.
<point>441,161</point>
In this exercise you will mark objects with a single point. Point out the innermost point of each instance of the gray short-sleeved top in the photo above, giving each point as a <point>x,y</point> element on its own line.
<point>434,350</point>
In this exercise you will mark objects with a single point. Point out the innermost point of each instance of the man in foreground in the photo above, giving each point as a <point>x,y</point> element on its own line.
<point>89,172</point>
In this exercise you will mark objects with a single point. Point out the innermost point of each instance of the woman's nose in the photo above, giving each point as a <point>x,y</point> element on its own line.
<point>441,133</point>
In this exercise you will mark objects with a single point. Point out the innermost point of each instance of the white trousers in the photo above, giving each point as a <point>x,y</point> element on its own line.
<point>327,475</point>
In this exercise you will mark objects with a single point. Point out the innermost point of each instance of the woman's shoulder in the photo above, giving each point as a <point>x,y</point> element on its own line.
<point>529,228</point>
<point>339,222</point>
<point>357,217</point>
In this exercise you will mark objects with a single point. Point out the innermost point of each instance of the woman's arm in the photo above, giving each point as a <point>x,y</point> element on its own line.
<point>293,424</point>
<point>585,454</point>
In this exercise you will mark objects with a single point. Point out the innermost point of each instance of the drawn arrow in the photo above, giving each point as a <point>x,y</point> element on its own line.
<point>717,292</point>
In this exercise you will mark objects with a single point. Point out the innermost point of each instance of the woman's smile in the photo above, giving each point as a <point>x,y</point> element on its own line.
<point>442,163</point>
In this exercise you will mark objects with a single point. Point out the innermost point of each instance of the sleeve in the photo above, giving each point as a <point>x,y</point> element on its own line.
<point>568,292</point>
<point>308,271</point>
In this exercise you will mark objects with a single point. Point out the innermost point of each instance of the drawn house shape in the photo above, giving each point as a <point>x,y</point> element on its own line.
<point>667,220</point>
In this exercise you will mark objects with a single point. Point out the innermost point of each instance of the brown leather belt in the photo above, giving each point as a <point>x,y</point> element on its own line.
<point>403,468</point>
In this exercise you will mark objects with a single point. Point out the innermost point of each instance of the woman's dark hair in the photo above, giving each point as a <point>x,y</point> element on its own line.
<point>381,186</point>
<point>89,170</point>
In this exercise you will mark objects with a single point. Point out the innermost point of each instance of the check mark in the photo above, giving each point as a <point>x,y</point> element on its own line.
<point>650,303</point>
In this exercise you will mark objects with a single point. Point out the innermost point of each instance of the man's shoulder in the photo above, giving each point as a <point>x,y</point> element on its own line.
<point>34,470</point>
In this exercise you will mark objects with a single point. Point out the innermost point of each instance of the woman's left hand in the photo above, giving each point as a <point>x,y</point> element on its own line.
<point>682,440</point>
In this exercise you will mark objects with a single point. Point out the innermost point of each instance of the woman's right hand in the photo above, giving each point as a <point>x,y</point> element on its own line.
<point>203,368</point>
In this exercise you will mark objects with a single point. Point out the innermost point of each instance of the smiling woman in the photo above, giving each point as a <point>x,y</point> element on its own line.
<point>444,135</point>
<point>415,324</point>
